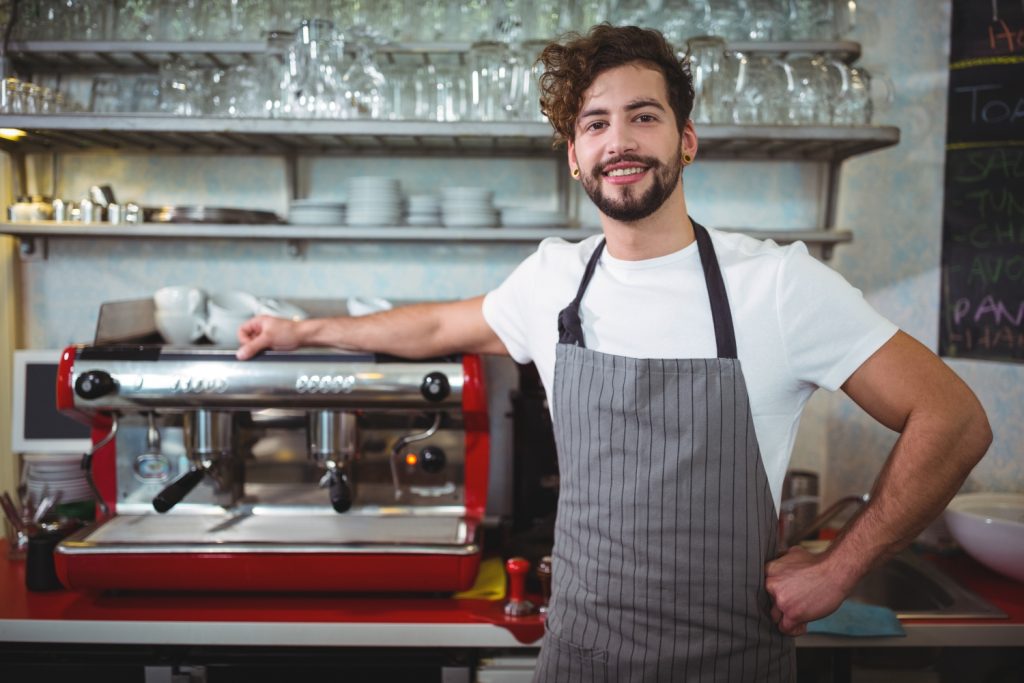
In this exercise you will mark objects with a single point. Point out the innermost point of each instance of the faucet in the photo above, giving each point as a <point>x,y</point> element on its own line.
<point>828,515</point>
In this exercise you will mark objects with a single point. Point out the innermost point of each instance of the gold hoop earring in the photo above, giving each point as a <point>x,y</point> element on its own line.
<point>576,172</point>
<point>687,158</point>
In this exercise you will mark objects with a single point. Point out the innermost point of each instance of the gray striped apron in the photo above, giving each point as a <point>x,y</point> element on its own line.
<point>665,519</point>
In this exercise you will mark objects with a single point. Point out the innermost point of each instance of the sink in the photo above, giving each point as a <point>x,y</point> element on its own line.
<point>917,589</point>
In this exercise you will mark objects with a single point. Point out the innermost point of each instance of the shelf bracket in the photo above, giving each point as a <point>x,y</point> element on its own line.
<point>32,248</point>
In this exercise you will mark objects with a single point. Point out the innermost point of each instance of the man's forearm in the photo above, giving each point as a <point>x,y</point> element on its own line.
<point>929,462</point>
<point>408,331</point>
<point>416,331</point>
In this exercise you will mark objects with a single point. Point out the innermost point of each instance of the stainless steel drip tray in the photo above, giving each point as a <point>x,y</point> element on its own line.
<point>256,533</point>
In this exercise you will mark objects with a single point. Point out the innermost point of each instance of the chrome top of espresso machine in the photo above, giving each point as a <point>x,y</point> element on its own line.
<point>354,462</point>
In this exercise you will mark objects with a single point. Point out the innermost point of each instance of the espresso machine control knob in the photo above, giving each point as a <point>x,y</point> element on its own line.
<point>435,387</point>
<point>94,384</point>
<point>433,459</point>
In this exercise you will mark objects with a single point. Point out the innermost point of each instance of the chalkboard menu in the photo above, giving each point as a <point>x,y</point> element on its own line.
<point>982,313</point>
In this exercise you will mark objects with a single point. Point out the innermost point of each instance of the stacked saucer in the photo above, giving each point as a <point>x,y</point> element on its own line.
<point>468,207</point>
<point>424,209</point>
<point>316,212</point>
<point>374,200</point>
<point>50,473</point>
<point>515,217</point>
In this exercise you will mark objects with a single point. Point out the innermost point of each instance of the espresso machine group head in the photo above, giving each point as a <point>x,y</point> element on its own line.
<point>352,462</point>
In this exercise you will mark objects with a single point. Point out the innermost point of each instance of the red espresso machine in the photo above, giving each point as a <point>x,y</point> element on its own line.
<point>299,471</point>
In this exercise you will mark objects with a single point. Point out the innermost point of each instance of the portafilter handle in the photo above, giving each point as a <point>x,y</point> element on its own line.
<point>340,491</point>
<point>178,489</point>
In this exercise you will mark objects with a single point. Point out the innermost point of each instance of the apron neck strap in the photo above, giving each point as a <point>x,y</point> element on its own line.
<point>570,327</point>
<point>721,313</point>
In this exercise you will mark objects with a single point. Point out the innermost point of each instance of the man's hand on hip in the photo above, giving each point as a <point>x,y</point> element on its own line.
<point>802,589</point>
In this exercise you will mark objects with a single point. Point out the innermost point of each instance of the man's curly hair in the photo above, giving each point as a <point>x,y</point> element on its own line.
<point>573,62</point>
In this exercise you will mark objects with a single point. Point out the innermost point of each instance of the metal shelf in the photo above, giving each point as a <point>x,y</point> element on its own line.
<point>160,133</point>
<point>69,56</point>
<point>33,236</point>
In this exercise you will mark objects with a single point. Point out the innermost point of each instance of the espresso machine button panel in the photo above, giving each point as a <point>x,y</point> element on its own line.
<point>215,379</point>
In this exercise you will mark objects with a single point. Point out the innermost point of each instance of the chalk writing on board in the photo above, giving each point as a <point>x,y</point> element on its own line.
<point>982,296</point>
<point>983,252</point>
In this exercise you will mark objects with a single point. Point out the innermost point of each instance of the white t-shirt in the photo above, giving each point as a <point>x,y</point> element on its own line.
<point>799,325</point>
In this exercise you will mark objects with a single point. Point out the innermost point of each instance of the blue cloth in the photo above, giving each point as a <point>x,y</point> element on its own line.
<point>859,620</point>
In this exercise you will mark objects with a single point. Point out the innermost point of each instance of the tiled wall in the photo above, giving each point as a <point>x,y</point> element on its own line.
<point>890,199</point>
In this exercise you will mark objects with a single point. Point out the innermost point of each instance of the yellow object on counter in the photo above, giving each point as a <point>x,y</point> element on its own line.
<point>490,582</point>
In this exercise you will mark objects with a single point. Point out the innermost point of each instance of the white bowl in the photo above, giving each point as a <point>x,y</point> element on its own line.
<point>990,527</point>
<point>365,305</point>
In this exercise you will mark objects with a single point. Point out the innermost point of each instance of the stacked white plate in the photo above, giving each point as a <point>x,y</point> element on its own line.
<point>468,207</point>
<point>532,218</point>
<point>316,212</point>
<point>374,200</point>
<point>47,473</point>
<point>424,209</point>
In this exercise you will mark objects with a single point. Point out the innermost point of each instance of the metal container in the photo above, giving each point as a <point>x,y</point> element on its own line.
<point>799,504</point>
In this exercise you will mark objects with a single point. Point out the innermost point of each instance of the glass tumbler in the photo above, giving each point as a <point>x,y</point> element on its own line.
<point>758,94</point>
<point>706,55</point>
<point>857,94</point>
<point>106,95</point>
<point>489,81</point>
<point>10,97</point>
<point>136,19</point>
<point>808,90</point>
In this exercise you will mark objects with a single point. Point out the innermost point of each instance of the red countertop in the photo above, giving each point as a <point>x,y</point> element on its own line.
<point>388,620</point>
<point>383,620</point>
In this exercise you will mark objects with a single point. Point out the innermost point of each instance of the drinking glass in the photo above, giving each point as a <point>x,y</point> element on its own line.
<point>427,108</point>
<point>238,91</point>
<point>471,20</point>
<point>633,13</point>
<point>587,13</point>
<point>10,97</point>
<point>182,89</point>
<point>812,20</point>
<point>280,72</point>
<point>680,19</point>
<point>136,19</point>
<point>400,87</point>
<point>146,94</point>
<point>544,19</point>
<point>706,55</point>
<point>177,21</point>
<point>757,95</point>
<point>857,94</point>
<point>489,84</point>
<point>315,91</point>
<point>808,90</point>
<point>107,97</point>
<point>766,20</point>
<point>452,88</point>
<point>725,18</point>
<point>83,19</point>
<point>430,23</point>
<point>525,90</point>
<point>363,83</point>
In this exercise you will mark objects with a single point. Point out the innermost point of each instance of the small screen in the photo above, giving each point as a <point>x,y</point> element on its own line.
<point>42,419</point>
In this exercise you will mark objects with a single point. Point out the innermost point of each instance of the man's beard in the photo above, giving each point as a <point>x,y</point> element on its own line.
<point>631,207</point>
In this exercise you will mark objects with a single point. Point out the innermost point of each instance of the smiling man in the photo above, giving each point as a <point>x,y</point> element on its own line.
<point>677,361</point>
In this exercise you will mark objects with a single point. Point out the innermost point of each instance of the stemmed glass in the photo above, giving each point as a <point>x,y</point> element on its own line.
<point>363,84</point>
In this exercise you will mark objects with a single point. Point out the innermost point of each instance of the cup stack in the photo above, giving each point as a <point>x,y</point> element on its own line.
<point>374,201</point>
<point>424,209</point>
<point>468,207</point>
